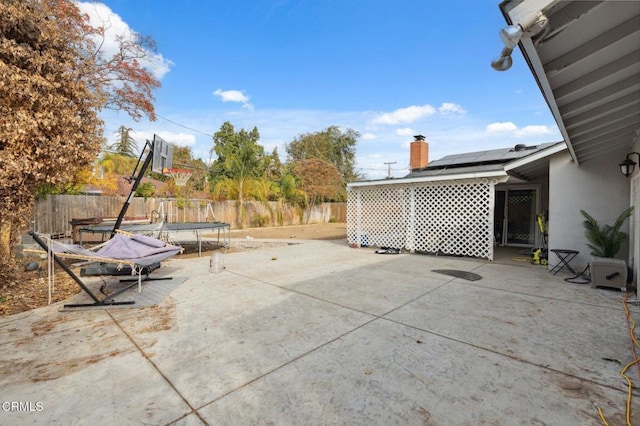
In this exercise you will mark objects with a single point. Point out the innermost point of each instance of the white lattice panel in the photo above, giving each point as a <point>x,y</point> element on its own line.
<point>378,216</point>
<point>452,217</point>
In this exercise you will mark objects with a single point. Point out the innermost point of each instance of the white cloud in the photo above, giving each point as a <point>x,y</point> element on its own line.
<point>231,96</point>
<point>501,127</point>
<point>451,108</point>
<point>234,96</point>
<point>524,132</point>
<point>534,131</point>
<point>405,131</point>
<point>369,136</point>
<point>405,115</point>
<point>115,28</point>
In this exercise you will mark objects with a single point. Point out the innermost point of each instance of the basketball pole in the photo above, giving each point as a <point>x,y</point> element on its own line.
<point>134,188</point>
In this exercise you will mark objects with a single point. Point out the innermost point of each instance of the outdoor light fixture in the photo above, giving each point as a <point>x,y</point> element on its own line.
<point>504,61</point>
<point>512,35</point>
<point>628,166</point>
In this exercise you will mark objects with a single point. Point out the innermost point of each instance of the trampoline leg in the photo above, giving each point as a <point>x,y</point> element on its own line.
<point>101,303</point>
<point>147,278</point>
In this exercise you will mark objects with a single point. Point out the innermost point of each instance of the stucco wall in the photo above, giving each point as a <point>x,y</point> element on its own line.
<point>635,225</point>
<point>596,187</point>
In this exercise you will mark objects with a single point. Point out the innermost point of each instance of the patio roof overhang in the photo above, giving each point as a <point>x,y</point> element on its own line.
<point>587,65</point>
<point>534,165</point>
<point>445,175</point>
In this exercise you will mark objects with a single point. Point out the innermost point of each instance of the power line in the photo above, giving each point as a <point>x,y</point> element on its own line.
<point>186,127</point>
<point>379,169</point>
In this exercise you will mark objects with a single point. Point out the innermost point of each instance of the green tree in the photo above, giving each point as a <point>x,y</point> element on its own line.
<point>273,167</point>
<point>291,192</point>
<point>229,144</point>
<point>117,163</point>
<point>238,170</point>
<point>145,190</point>
<point>125,145</point>
<point>332,145</point>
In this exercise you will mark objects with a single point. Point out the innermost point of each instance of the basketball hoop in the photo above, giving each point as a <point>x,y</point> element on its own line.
<point>179,176</point>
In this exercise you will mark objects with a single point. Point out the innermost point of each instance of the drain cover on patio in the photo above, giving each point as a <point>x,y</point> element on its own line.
<point>465,275</point>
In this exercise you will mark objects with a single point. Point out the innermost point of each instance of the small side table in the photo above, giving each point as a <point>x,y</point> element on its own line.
<point>565,257</point>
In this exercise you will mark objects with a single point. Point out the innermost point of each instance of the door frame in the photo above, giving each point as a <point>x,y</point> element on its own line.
<point>505,188</point>
<point>634,228</point>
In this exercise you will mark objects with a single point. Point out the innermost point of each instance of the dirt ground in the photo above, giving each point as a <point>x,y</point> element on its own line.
<point>317,231</point>
<point>32,287</point>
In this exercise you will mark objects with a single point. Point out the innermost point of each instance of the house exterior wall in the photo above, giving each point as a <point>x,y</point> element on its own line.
<point>634,227</point>
<point>596,187</point>
<point>449,217</point>
<point>544,193</point>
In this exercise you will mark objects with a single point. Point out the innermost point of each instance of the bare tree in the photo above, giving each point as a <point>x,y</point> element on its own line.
<point>53,83</point>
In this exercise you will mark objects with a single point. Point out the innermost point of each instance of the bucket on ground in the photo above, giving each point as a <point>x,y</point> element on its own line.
<point>216,263</point>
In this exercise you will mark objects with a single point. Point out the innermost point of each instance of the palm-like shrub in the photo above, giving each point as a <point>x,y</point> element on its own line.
<point>606,240</point>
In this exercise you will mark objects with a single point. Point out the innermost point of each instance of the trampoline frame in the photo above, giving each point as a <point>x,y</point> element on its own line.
<point>162,229</point>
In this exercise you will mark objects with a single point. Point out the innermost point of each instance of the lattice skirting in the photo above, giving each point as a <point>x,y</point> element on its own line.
<point>451,217</point>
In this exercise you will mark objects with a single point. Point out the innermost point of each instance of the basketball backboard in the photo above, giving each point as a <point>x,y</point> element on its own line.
<point>162,155</point>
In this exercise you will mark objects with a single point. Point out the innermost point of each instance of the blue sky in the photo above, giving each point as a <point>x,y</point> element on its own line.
<point>389,70</point>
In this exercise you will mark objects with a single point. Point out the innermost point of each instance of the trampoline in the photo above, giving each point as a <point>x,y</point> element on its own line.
<point>163,230</point>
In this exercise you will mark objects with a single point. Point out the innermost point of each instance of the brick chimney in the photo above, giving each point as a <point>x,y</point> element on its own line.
<point>419,156</point>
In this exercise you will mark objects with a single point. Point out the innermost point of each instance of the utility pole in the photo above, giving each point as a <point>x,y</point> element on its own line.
<point>389,169</point>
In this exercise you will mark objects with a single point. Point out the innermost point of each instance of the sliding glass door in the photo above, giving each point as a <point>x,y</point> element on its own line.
<point>515,216</point>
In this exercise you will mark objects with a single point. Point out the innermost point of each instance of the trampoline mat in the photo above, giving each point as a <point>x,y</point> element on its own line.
<point>465,275</point>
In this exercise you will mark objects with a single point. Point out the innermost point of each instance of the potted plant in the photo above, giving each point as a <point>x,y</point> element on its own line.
<point>606,240</point>
<point>605,243</point>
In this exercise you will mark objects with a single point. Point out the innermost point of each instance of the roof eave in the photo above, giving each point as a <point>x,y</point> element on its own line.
<point>498,174</point>
<point>539,155</point>
<point>535,65</point>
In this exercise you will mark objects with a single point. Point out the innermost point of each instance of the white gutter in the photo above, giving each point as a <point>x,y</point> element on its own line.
<point>501,175</point>
<point>526,8</point>
<point>554,149</point>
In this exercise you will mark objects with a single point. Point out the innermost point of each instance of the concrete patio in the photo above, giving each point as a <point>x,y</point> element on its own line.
<point>316,332</point>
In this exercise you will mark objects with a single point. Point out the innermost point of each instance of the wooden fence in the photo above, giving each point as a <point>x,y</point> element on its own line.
<point>54,214</point>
